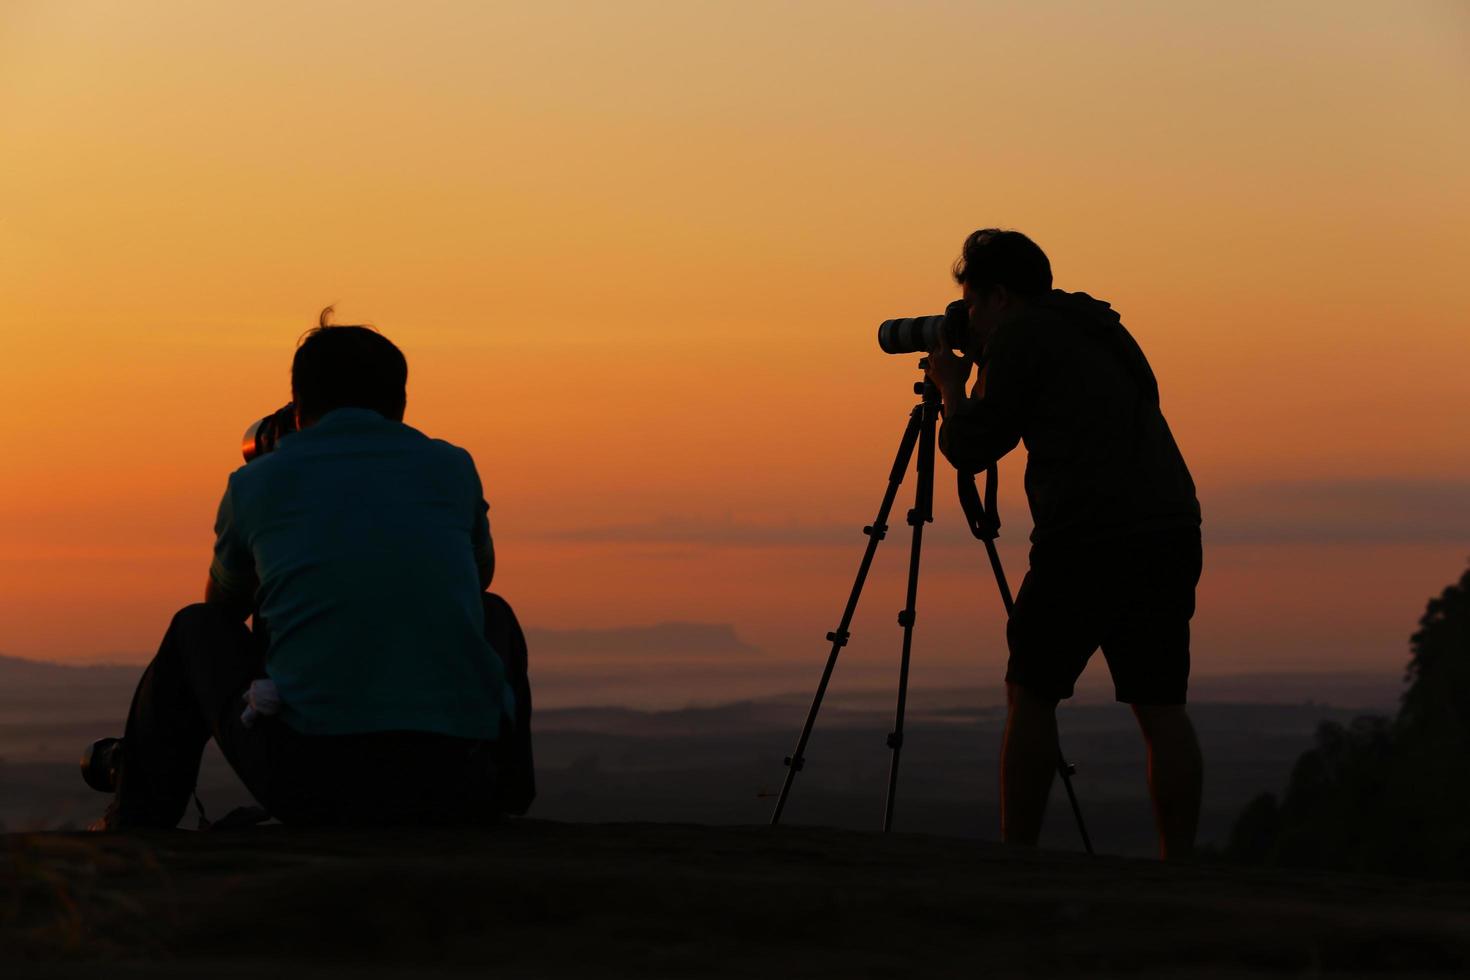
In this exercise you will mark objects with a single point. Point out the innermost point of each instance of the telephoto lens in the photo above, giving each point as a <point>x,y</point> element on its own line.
<point>263,436</point>
<point>921,334</point>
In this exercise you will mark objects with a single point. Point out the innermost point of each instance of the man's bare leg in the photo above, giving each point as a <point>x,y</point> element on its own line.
<point>1028,758</point>
<point>1175,776</point>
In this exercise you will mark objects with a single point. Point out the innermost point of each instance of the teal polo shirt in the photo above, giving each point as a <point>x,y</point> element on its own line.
<point>366,538</point>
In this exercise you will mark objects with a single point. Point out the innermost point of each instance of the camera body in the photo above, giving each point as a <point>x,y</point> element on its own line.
<point>264,435</point>
<point>921,334</point>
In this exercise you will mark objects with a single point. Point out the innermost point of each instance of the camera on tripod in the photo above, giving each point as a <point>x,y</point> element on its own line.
<point>912,335</point>
<point>921,334</point>
<point>266,434</point>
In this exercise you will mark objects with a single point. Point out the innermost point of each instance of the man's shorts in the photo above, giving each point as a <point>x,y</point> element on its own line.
<point>1133,597</point>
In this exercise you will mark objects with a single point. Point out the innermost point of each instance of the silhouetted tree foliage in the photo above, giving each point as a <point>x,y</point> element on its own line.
<point>1381,794</point>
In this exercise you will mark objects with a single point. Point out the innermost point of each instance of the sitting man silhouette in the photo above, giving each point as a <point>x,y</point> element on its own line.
<point>1115,546</point>
<point>381,684</point>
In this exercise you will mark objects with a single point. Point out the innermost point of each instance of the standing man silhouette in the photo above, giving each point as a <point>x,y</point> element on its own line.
<point>1115,545</point>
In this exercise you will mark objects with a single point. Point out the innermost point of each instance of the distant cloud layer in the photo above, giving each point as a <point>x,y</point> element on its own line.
<point>1359,511</point>
<point>1367,511</point>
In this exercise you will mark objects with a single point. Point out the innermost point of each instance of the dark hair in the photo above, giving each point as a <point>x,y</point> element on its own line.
<point>996,257</point>
<point>336,367</point>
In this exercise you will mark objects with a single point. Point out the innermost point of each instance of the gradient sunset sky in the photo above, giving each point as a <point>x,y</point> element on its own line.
<point>636,254</point>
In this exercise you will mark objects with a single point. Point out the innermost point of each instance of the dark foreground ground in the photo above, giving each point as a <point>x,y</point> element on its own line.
<point>545,899</point>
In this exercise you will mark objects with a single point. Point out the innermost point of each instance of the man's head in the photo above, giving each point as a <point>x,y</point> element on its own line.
<point>999,271</point>
<point>337,367</point>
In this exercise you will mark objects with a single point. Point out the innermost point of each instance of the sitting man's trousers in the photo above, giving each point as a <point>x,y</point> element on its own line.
<point>194,690</point>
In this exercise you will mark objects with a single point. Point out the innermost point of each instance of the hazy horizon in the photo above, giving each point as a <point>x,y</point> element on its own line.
<point>585,678</point>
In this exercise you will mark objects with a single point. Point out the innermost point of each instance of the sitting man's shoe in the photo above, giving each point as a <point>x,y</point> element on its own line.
<point>108,822</point>
<point>100,764</point>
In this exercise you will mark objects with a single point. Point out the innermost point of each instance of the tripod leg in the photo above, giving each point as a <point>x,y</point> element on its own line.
<point>1065,770</point>
<point>922,514</point>
<point>839,636</point>
<point>1000,577</point>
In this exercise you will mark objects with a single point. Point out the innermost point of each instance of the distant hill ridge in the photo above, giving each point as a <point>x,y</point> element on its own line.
<point>702,639</point>
<point>13,669</point>
<point>1350,689</point>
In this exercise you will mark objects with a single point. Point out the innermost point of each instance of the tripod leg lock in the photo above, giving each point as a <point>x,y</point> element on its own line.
<point>839,637</point>
<point>879,531</point>
<point>794,763</point>
<point>906,617</point>
<point>895,740</point>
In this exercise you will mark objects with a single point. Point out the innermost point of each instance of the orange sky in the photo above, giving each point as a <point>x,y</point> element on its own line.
<point>636,252</point>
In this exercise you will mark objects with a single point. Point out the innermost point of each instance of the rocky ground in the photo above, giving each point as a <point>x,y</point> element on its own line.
<point>544,899</point>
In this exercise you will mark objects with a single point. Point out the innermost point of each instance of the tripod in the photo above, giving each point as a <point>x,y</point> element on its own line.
<point>983,523</point>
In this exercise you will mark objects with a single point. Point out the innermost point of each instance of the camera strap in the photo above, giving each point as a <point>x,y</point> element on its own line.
<point>983,518</point>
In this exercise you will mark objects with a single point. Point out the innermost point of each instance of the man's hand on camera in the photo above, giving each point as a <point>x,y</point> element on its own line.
<point>949,373</point>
